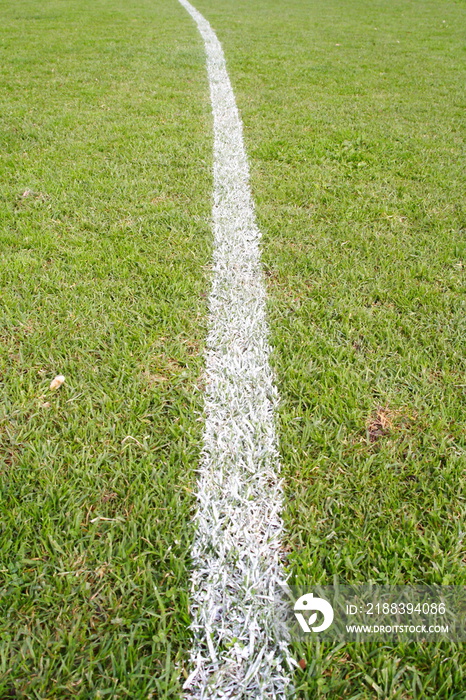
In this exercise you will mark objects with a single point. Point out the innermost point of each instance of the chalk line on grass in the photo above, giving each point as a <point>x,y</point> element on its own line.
<point>240,645</point>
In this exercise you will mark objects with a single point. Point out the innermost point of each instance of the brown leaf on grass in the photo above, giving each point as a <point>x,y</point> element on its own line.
<point>57,382</point>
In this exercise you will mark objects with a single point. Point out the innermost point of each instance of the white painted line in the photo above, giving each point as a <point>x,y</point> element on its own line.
<point>239,649</point>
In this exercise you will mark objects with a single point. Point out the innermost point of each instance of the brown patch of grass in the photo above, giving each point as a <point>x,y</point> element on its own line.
<point>384,421</point>
<point>162,369</point>
<point>109,497</point>
<point>152,378</point>
<point>173,197</point>
<point>29,195</point>
<point>9,449</point>
<point>380,423</point>
<point>193,347</point>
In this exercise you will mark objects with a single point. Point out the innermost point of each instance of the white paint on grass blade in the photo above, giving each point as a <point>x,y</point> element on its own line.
<point>240,650</point>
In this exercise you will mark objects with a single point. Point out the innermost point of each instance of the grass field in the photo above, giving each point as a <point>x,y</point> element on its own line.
<point>105,238</point>
<point>354,124</point>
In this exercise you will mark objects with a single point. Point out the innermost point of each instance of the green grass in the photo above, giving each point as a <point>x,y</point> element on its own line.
<point>354,123</point>
<point>105,205</point>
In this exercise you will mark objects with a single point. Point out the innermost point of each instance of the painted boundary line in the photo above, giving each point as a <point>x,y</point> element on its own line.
<point>240,650</point>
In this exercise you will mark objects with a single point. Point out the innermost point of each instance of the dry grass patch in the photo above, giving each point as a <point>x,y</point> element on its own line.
<point>384,421</point>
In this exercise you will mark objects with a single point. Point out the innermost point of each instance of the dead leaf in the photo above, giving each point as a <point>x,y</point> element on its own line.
<point>57,382</point>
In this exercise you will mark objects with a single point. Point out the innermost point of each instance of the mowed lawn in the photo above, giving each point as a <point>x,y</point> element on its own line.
<point>354,124</point>
<point>105,169</point>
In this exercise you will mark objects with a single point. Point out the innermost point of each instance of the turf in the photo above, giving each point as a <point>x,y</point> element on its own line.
<point>354,123</point>
<point>105,237</point>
